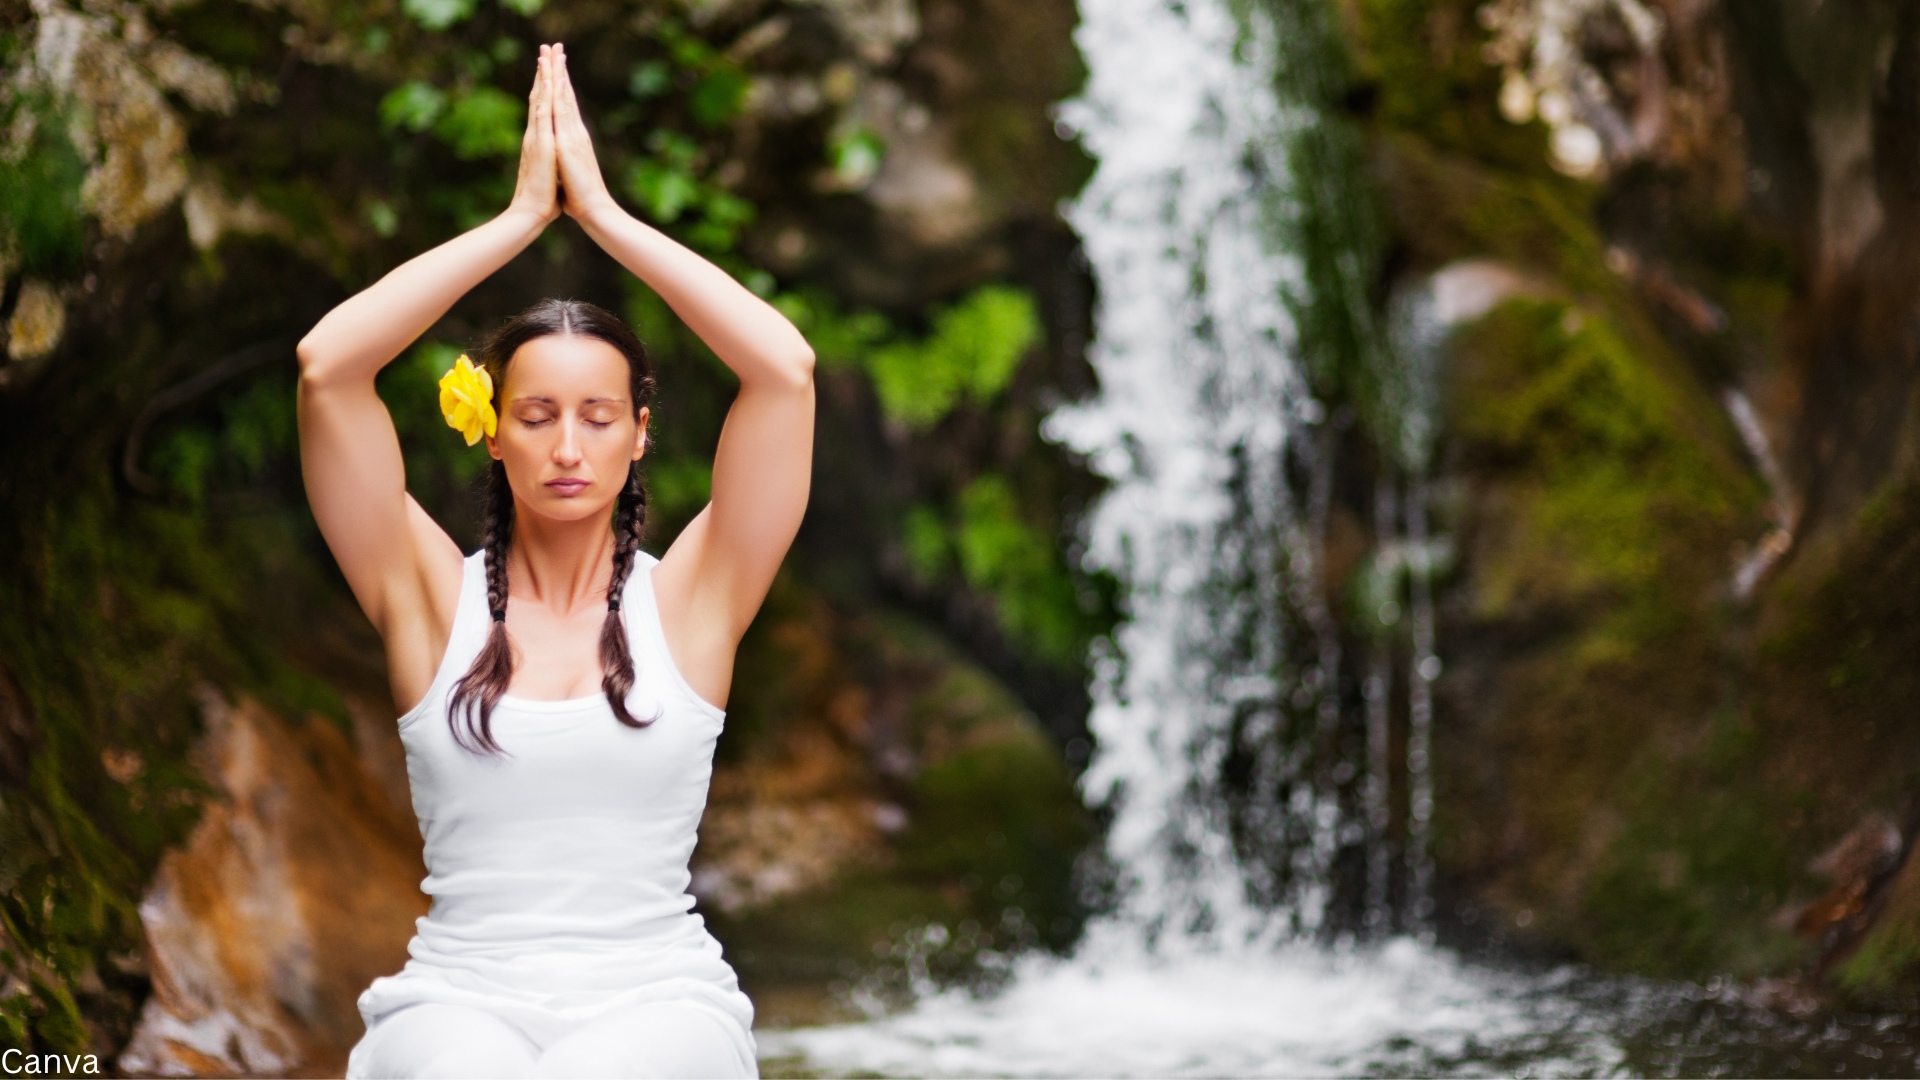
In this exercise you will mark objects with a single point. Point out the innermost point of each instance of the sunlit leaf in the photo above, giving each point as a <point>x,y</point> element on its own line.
<point>664,191</point>
<point>437,14</point>
<point>717,97</point>
<point>482,122</point>
<point>649,79</point>
<point>414,106</point>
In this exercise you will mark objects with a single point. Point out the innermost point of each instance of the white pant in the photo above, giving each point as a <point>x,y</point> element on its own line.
<point>659,1039</point>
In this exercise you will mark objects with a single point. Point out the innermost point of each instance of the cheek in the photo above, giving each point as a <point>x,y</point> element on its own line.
<point>521,452</point>
<point>612,452</point>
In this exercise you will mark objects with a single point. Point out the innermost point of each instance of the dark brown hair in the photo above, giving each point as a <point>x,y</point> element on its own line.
<point>479,690</point>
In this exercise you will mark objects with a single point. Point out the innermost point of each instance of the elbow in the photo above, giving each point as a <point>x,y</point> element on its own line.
<point>315,364</point>
<point>795,369</point>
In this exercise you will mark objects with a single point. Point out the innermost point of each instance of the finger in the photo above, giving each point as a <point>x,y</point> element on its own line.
<point>569,106</point>
<point>533,95</point>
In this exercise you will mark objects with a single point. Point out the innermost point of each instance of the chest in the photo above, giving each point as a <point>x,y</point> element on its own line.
<point>556,656</point>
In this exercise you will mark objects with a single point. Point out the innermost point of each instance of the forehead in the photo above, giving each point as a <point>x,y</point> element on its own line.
<point>567,367</point>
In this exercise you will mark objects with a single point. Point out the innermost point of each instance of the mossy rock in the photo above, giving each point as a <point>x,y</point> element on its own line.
<point>1605,501</point>
<point>984,866</point>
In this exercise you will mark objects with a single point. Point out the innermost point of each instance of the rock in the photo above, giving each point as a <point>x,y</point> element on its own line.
<point>39,319</point>
<point>298,886</point>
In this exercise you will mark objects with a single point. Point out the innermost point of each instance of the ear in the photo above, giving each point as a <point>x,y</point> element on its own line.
<point>493,446</point>
<point>640,434</point>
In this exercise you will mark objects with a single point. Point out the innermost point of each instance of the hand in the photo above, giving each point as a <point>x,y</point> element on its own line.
<point>538,188</point>
<point>583,191</point>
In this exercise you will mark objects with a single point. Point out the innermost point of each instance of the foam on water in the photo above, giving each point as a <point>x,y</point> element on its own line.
<point>1403,1009</point>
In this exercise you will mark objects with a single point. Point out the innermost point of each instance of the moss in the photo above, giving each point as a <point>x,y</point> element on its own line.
<point>40,215</point>
<point>1610,498</point>
<point>1423,60</point>
<point>1620,487</point>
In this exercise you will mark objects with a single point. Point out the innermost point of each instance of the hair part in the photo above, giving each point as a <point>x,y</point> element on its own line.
<point>470,705</point>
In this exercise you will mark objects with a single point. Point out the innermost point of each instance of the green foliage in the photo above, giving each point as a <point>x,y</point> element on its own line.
<point>923,532</point>
<point>41,219</point>
<point>679,486</point>
<point>716,99</point>
<point>1625,484</point>
<point>1000,555</point>
<point>649,79</point>
<point>854,152</point>
<point>1689,884</point>
<point>438,15</point>
<point>414,105</point>
<point>840,339</point>
<point>1439,86</point>
<point>972,353</point>
<point>485,121</point>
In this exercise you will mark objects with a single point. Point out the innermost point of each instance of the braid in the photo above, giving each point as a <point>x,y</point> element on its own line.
<point>479,690</point>
<point>616,659</point>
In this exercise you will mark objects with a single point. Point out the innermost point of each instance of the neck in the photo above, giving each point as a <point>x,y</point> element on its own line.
<point>562,565</point>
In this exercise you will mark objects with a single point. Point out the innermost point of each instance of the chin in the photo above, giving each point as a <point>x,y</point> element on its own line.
<point>563,508</point>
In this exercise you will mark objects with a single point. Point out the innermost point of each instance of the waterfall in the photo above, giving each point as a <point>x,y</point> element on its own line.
<point>1200,398</point>
<point>1228,662</point>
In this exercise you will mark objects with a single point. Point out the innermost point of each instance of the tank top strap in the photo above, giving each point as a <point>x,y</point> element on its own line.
<point>648,640</point>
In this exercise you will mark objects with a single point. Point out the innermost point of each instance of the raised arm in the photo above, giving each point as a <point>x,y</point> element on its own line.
<point>401,565</point>
<point>715,576</point>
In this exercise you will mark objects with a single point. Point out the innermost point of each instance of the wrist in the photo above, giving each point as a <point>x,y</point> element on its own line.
<point>526,219</point>
<point>597,212</point>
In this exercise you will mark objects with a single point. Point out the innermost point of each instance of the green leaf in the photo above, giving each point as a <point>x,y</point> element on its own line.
<point>665,191</point>
<point>924,535</point>
<point>414,106</point>
<point>971,355</point>
<point>40,207</point>
<point>484,121</point>
<point>674,148</point>
<point>855,154</point>
<point>716,99</point>
<point>996,325</point>
<point>384,219</point>
<point>437,15</point>
<point>1035,600</point>
<point>528,8</point>
<point>649,79</point>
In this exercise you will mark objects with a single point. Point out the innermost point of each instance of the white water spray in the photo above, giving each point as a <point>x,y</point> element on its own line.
<point>1198,384</point>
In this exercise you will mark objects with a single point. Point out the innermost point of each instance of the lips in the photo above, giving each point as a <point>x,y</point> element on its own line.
<point>568,485</point>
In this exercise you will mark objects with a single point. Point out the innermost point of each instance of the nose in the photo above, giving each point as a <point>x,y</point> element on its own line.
<point>566,453</point>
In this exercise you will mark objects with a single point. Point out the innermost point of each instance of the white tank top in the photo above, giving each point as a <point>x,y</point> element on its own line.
<point>558,875</point>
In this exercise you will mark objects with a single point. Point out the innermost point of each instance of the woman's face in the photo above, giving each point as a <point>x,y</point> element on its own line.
<point>567,432</point>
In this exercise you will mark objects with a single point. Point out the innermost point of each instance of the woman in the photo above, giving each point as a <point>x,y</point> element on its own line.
<point>562,689</point>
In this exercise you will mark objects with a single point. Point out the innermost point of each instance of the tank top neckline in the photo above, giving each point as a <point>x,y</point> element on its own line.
<point>471,608</point>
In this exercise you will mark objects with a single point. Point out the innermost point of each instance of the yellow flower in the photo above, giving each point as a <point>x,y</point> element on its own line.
<point>466,399</point>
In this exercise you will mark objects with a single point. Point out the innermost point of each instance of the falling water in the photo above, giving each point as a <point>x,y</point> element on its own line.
<point>1199,399</point>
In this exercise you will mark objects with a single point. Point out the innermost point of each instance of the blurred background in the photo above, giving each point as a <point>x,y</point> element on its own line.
<point>1386,525</point>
